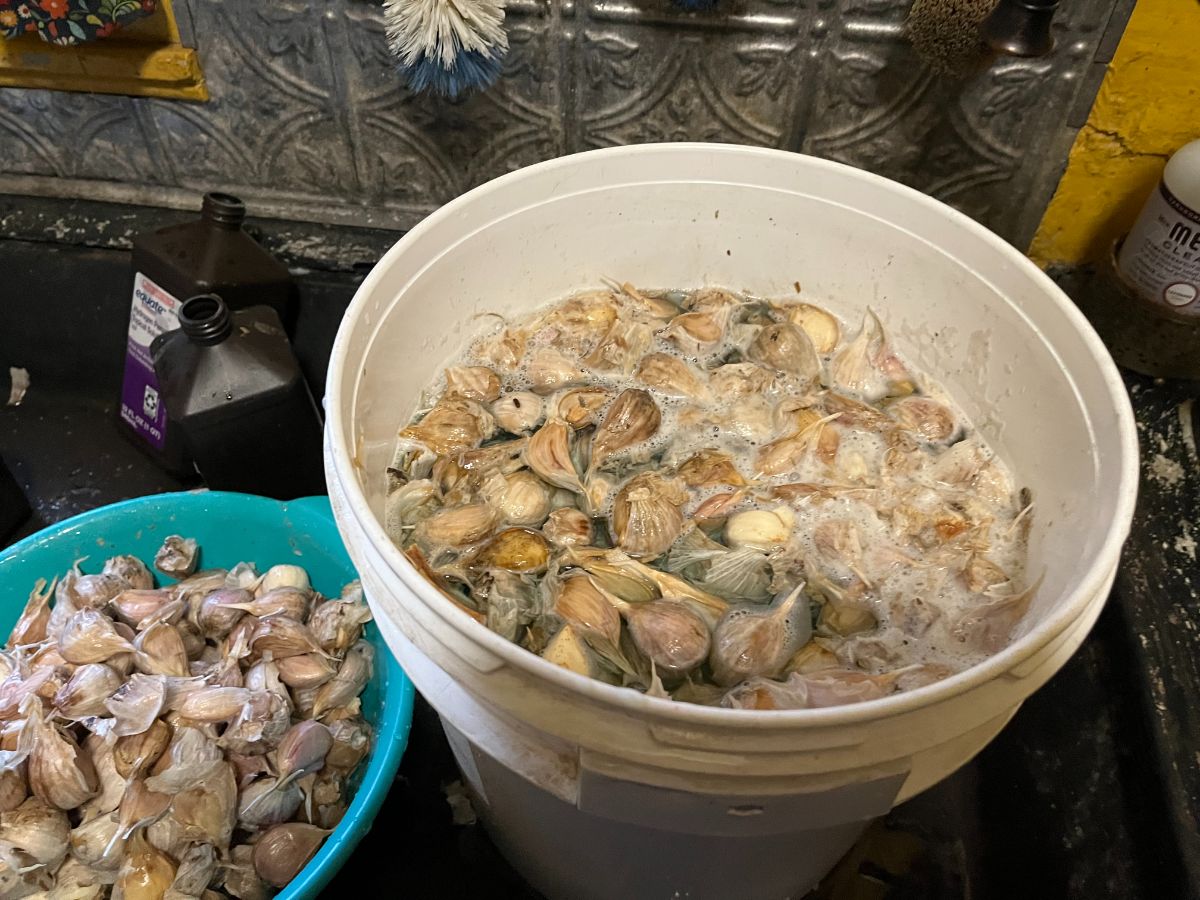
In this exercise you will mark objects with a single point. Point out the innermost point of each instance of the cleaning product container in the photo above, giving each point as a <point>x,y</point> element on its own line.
<point>595,791</point>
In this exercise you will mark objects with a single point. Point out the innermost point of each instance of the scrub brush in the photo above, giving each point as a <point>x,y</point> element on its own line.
<point>959,37</point>
<point>447,46</point>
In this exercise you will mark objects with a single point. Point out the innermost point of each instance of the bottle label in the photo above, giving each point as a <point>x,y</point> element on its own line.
<point>1161,256</point>
<point>154,311</point>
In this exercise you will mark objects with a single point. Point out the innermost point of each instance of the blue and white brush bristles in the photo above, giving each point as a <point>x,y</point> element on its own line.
<point>447,46</point>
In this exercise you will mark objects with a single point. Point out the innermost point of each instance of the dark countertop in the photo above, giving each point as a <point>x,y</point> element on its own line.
<point>1093,790</point>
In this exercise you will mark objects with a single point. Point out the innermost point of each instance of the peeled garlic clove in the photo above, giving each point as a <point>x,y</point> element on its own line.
<point>647,515</point>
<point>303,749</point>
<point>89,637</point>
<point>580,603</point>
<point>515,550</point>
<point>60,773</point>
<point>581,407</point>
<point>669,633</point>
<point>31,625</point>
<point>472,383</point>
<point>160,651</point>
<point>634,417</point>
<point>213,704</point>
<point>307,671</point>
<point>457,526</point>
<point>549,370</point>
<point>131,570</point>
<point>284,576</point>
<point>821,327</point>
<point>710,467</point>
<point>671,375</point>
<point>348,683</point>
<point>134,754</point>
<point>38,829</point>
<point>137,703</point>
<point>85,694</point>
<point>196,869</point>
<point>567,527</point>
<point>189,761</point>
<point>282,637</point>
<point>453,425</point>
<point>928,419</point>
<point>787,348</point>
<point>518,412</point>
<point>146,872</point>
<point>284,850</point>
<point>751,640</point>
<point>266,802</point>
<point>521,498</point>
<point>762,529</point>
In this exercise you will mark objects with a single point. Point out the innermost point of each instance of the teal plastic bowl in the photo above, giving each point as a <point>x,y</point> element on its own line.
<point>231,528</point>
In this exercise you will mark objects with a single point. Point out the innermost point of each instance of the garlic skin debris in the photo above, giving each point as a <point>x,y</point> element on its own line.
<point>196,739</point>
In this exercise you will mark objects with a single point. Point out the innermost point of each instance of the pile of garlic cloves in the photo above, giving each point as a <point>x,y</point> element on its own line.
<point>196,740</point>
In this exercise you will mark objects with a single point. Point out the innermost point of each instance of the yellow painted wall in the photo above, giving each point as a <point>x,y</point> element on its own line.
<point>1148,107</point>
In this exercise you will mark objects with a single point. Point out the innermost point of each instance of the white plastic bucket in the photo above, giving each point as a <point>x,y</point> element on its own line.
<point>594,791</point>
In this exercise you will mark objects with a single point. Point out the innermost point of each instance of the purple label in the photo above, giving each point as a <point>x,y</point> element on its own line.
<point>152,313</point>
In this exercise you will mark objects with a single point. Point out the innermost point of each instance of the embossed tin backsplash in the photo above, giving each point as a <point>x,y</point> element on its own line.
<point>308,121</point>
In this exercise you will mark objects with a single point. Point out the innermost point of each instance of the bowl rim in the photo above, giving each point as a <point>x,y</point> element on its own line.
<point>340,456</point>
<point>397,698</point>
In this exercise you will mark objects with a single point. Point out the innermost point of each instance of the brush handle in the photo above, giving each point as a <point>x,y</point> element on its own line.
<point>1020,27</point>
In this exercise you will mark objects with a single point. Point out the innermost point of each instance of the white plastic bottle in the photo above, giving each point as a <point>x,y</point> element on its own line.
<point>1160,258</point>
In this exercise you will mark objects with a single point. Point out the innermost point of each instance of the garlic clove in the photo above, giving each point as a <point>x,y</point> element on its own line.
<point>786,348</point>
<point>98,844</point>
<point>581,407</point>
<point>134,754</point>
<point>671,375</point>
<point>131,570</point>
<point>90,637</point>
<point>751,640</point>
<point>13,789</point>
<point>453,425</point>
<point>177,556</point>
<point>348,683</point>
<point>31,625</point>
<point>197,868</point>
<point>549,370</point>
<point>189,761</point>
<point>308,670</point>
<point>213,704</point>
<point>337,624</point>
<point>929,420</point>
<point>38,829</point>
<point>620,348</point>
<point>145,873</point>
<point>472,383</point>
<point>284,850</point>
<point>515,550</point>
<point>457,526</point>
<point>207,812</point>
<point>220,611</point>
<point>503,350</point>
<point>351,741</point>
<point>266,802</point>
<point>587,609</point>
<point>60,772</point>
<point>521,498</point>
<point>821,326</point>
<point>566,527</point>
<point>710,467</point>
<point>760,529</point>
<point>548,454</point>
<point>159,650</point>
<point>633,418</point>
<point>518,412</point>
<point>291,602</point>
<point>282,637</point>
<point>303,749</point>
<point>670,634</point>
<point>109,782</point>
<point>568,650</point>
<point>647,515</point>
<point>94,591</point>
<point>284,576</point>
<point>135,605</point>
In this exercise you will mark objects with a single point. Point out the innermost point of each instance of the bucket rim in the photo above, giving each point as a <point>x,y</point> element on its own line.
<point>341,463</point>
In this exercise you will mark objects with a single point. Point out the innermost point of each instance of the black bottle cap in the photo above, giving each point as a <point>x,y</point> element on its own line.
<point>223,209</point>
<point>205,319</point>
